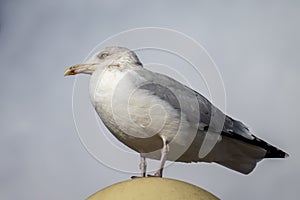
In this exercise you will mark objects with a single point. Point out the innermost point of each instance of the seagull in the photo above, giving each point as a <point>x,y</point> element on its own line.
<point>163,119</point>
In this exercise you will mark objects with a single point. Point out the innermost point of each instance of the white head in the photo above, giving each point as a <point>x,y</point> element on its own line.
<point>109,57</point>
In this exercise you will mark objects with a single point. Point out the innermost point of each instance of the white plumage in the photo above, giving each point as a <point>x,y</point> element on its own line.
<point>161,118</point>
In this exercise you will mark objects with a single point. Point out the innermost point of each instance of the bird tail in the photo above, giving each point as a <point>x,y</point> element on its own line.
<point>238,155</point>
<point>243,156</point>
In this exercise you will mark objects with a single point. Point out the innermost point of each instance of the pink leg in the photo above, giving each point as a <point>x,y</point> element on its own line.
<point>143,167</point>
<point>163,158</point>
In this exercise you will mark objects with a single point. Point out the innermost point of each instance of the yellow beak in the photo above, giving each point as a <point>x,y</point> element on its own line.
<point>76,69</point>
<point>69,71</point>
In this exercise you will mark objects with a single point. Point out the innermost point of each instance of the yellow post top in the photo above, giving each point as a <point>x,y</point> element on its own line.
<point>152,189</point>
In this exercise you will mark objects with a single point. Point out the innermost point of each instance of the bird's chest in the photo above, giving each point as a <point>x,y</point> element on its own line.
<point>119,103</point>
<point>130,112</point>
<point>108,91</point>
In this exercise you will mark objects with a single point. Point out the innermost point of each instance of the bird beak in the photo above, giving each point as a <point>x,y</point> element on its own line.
<point>76,69</point>
<point>69,72</point>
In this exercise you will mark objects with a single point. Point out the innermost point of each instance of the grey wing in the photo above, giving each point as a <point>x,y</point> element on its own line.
<point>188,101</point>
<point>238,150</point>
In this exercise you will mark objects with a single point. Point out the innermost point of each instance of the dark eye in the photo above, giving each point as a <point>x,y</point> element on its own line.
<point>103,55</point>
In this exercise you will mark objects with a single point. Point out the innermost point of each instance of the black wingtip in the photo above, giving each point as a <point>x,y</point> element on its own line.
<point>273,152</point>
<point>286,155</point>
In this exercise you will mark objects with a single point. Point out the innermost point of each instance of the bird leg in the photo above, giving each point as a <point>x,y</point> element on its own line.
<point>143,167</point>
<point>163,158</point>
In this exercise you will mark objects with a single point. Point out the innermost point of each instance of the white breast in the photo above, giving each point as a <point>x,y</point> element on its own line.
<point>126,109</point>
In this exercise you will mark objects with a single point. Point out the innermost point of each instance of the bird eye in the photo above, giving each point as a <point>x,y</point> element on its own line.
<point>103,55</point>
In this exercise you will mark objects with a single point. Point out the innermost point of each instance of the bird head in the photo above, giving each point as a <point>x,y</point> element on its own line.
<point>109,57</point>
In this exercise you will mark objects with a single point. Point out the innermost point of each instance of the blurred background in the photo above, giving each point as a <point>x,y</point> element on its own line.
<point>255,44</point>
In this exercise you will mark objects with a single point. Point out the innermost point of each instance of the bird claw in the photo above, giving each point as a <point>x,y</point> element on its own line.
<point>157,175</point>
<point>134,177</point>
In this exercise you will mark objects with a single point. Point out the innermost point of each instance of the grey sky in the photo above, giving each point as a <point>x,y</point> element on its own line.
<point>255,45</point>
